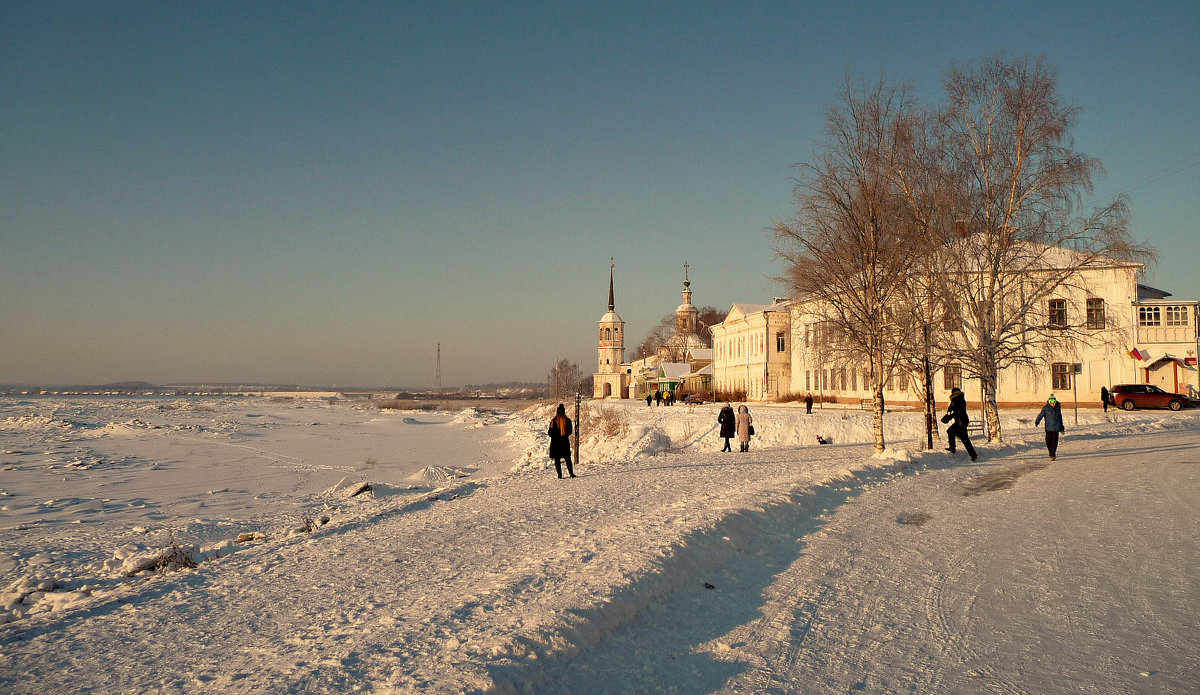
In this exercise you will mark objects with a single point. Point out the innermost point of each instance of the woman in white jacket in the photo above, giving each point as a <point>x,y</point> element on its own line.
<point>744,429</point>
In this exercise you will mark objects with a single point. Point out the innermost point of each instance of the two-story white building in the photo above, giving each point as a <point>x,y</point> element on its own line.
<point>1127,333</point>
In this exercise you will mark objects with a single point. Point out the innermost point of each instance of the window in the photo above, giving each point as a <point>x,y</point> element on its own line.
<point>807,380</point>
<point>1058,313</point>
<point>1095,313</point>
<point>951,320</point>
<point>1060,375</point>
<point>1176,315</point>
<point>780,343</point>
<point>903,377</point>
<point>1149,316</point>
<point>853,379</point>
<point>842,379</point>
<point>952,376</point>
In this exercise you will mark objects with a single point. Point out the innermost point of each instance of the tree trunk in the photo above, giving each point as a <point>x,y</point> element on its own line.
<point>991,413</point>
<point>877,398</point>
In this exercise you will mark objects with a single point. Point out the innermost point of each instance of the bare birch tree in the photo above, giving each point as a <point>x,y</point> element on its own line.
<point>848,249</point>
<point>1020,235</point>
<point>564,380</point>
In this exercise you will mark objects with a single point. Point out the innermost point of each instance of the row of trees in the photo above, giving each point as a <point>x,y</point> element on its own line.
<point>939,232</point>
<point>566,379</point>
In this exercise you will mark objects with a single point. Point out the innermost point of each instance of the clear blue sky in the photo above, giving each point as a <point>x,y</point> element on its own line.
<point>321,192</point>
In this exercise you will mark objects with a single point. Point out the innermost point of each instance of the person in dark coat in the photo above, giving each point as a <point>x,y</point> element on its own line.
<point>649,398</point>
<point>560,440</point>
<point>1104,397</point>
<point>1052,415</point>
<point>957,412</point>
<point>808,404</point>
<point>744,427</point>
<point>728,422</point>
<point>657,397</point>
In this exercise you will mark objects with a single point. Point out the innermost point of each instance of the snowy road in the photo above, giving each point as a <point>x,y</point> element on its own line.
<point>777,571</point>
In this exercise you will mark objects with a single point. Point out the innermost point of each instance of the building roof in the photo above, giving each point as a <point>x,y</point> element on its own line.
<point>1147,292</point>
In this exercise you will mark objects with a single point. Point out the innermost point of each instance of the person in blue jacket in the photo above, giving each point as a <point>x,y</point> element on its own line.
<point>1052,415</point>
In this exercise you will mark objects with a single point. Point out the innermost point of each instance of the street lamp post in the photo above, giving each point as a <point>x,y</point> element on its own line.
<point>928,394</point>
<point>575,443</point>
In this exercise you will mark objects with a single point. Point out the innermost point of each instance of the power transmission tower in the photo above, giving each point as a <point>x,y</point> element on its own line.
<point>439,369</point>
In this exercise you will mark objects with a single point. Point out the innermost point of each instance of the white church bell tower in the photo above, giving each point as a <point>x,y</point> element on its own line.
<point>610,378</point>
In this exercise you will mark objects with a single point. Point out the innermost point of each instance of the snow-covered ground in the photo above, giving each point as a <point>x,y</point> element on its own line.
<point>339,548</point>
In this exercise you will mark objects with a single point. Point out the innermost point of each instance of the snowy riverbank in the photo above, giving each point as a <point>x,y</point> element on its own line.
<point>666,567</point>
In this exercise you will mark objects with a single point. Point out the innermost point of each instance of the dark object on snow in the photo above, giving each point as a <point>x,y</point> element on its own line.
<point>808,401</point>
<point>822,440</point>
<point>709,586</point>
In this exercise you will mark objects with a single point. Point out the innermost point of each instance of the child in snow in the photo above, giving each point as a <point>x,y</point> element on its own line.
<point>1052,415</point>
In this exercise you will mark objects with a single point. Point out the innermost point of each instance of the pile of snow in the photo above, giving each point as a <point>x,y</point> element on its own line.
<point>437,474</point>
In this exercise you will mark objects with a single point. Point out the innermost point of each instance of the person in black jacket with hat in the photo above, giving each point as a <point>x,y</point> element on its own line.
<point>957,411</point>
<point>728,421</point>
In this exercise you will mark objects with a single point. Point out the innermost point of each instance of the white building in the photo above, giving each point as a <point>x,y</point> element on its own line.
<point>1132,334</point>
<point>752,352</point>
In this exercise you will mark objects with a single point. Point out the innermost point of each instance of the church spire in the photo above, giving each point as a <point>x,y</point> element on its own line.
<point>611,304</point>
<point>687,285</point>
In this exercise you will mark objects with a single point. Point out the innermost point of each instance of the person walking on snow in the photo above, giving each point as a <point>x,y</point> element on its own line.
<point>808,404</point>
<point>728,421</point>
<point>560,440</point>
<point>649,398</point>
<point>657,397</point>
<point>1052,415</point>
<point>1104,397</point>
<point>957,411</point>
<point>745,426</point>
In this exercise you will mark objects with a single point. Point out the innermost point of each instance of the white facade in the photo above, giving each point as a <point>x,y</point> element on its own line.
<point>1130,334</point>
<point>752,352</point>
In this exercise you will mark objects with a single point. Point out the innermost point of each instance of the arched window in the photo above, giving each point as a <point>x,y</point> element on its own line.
<point>608,334</point>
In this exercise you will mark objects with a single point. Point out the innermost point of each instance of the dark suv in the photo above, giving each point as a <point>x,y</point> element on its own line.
<point>1130,396</point>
